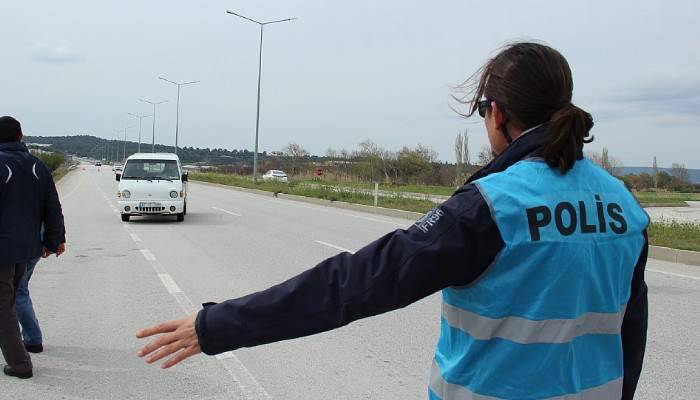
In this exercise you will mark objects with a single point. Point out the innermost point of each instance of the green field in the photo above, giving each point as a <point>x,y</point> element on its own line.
<point>345,194</point>
<point>684,236</point>
<point>670,198</point>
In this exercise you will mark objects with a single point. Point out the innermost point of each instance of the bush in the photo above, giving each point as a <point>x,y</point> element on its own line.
<point>52,160</point>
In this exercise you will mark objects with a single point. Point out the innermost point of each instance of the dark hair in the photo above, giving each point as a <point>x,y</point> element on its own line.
<point>532,83</point>
<point>10,130</point>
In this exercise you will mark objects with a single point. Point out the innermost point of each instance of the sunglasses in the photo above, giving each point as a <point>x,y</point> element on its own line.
<point>482,106</point>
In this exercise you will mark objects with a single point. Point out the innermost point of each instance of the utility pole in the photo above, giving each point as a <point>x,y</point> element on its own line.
<point>257,117</point>
<point>177,113</point>
<point>154,104</point>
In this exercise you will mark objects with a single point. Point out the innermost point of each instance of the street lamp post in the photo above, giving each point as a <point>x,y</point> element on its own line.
<point>177,114</point>
<point>154,104</point>
<point>124,151</point>
<point>140,117</point>
<point>257,117</point>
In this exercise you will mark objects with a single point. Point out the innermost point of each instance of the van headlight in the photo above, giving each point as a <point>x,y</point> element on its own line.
<point>173,194</point>
<point>126,194</point>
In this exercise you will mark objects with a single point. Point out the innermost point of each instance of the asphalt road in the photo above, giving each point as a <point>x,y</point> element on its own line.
<point>118,277</point>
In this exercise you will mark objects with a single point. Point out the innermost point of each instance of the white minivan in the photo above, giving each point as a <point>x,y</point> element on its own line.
<point>152,184</point>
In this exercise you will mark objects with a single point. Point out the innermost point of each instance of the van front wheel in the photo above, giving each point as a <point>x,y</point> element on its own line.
<point>125,217</point>
<point>180,217</point>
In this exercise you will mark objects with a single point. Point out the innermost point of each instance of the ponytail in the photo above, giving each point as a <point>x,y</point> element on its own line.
<point>568,129</point>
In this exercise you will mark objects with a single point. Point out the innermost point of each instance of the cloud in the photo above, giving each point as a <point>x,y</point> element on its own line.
<point>54,54</point>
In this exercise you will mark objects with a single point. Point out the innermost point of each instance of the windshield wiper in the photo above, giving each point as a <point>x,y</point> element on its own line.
<point>161,178</point>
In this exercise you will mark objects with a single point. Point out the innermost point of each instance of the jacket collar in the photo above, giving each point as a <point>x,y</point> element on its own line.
<point>14,146</point>
<point>525,146</point>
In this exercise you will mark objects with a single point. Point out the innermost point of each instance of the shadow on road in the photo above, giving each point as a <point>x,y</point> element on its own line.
<point>98,373</point>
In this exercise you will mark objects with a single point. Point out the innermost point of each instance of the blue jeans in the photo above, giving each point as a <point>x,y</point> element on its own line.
<point>31,333</point>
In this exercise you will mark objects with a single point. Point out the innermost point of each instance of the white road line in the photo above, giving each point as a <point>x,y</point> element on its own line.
<point>227,212</point>
<point>335,247</point>
<point>697,278</point>
<point>148,255</point>
<point>320,208</point>
<point>244,383</point>
<point>169,283</point>
<point>74,189</point>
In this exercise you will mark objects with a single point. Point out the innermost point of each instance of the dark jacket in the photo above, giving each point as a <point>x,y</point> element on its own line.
<point>394,271</point>
<point>28,198</point>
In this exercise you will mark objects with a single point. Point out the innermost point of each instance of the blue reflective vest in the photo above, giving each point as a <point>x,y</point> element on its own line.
<point>544,320</point>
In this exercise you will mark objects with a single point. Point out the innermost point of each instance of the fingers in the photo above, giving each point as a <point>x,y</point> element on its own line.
<point>165,351</point>
<point>182,355</point>
<point>165,327</point>
<point>178,337</point>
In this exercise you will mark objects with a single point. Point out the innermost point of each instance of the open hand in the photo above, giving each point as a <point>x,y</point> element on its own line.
<point>177,337</point>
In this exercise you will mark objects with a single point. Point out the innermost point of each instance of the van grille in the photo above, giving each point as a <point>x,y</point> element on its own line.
<point>152,210</point>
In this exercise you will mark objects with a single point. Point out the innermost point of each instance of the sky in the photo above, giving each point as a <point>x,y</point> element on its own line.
<point>344,71</point>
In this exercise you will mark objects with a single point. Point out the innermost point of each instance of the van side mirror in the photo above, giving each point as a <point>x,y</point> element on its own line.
<point>118,177</point>
<point>184,177</point>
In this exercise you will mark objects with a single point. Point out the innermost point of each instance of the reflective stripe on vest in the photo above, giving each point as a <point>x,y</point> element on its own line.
<point>544,321</point>
<point>443,390</point>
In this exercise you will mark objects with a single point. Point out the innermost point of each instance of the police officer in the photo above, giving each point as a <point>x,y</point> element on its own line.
<point>540,257</point>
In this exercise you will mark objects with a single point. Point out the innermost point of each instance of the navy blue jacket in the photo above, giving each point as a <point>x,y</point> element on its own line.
<point>394,271</point>
<point>28,198</point>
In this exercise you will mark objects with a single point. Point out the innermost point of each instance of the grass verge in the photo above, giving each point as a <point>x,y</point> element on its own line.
<point>345,194</point>
<point>670,198</point>
<point>398,188</point>
<point>59,173</point>
<point>676,235</point>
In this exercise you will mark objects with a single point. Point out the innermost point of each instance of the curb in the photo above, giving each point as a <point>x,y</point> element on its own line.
<point>674,255</point>
<point>388,212</point>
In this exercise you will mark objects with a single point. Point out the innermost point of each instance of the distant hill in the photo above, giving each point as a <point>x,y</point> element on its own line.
<point>693,173</point>
<point>99,148</point>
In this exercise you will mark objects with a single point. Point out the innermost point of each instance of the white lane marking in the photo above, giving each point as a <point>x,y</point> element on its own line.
<point>148,255</point>
<point>169,283</point>
<point>697,278</point>
<point>335,247</point>
<point>69,194</point>
<point>244,383</point>
<point>227,212</point>
<point>319,207</point>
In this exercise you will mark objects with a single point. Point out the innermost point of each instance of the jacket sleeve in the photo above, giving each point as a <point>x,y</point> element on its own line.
<point>451,245</point>
<point>634,326</point>
<point>55,231</point>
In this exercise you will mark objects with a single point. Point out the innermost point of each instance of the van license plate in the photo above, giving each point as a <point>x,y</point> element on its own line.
<point>148,205</point>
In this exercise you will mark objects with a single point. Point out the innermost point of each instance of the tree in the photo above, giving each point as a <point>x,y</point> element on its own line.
<point>485,155</point>
<point>605,160</point>
<point>680,172</point>
<point>332,153</point>
<point>655,174</point>
<point>412,165</point>
<point>461,157</point>
<point>296,154</point>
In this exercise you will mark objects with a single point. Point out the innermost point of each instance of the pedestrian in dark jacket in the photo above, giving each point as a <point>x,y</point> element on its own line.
<point>28,199</point>
<point>540,257</point>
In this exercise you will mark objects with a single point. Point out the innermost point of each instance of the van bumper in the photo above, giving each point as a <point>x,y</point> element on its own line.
<point>162,207</point>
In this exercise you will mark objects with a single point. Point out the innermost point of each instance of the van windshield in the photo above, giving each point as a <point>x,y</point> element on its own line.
<point>151,169</point>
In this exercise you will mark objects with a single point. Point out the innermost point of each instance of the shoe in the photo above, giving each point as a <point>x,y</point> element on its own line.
<point>21,375</point>
<point>34,348</point>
